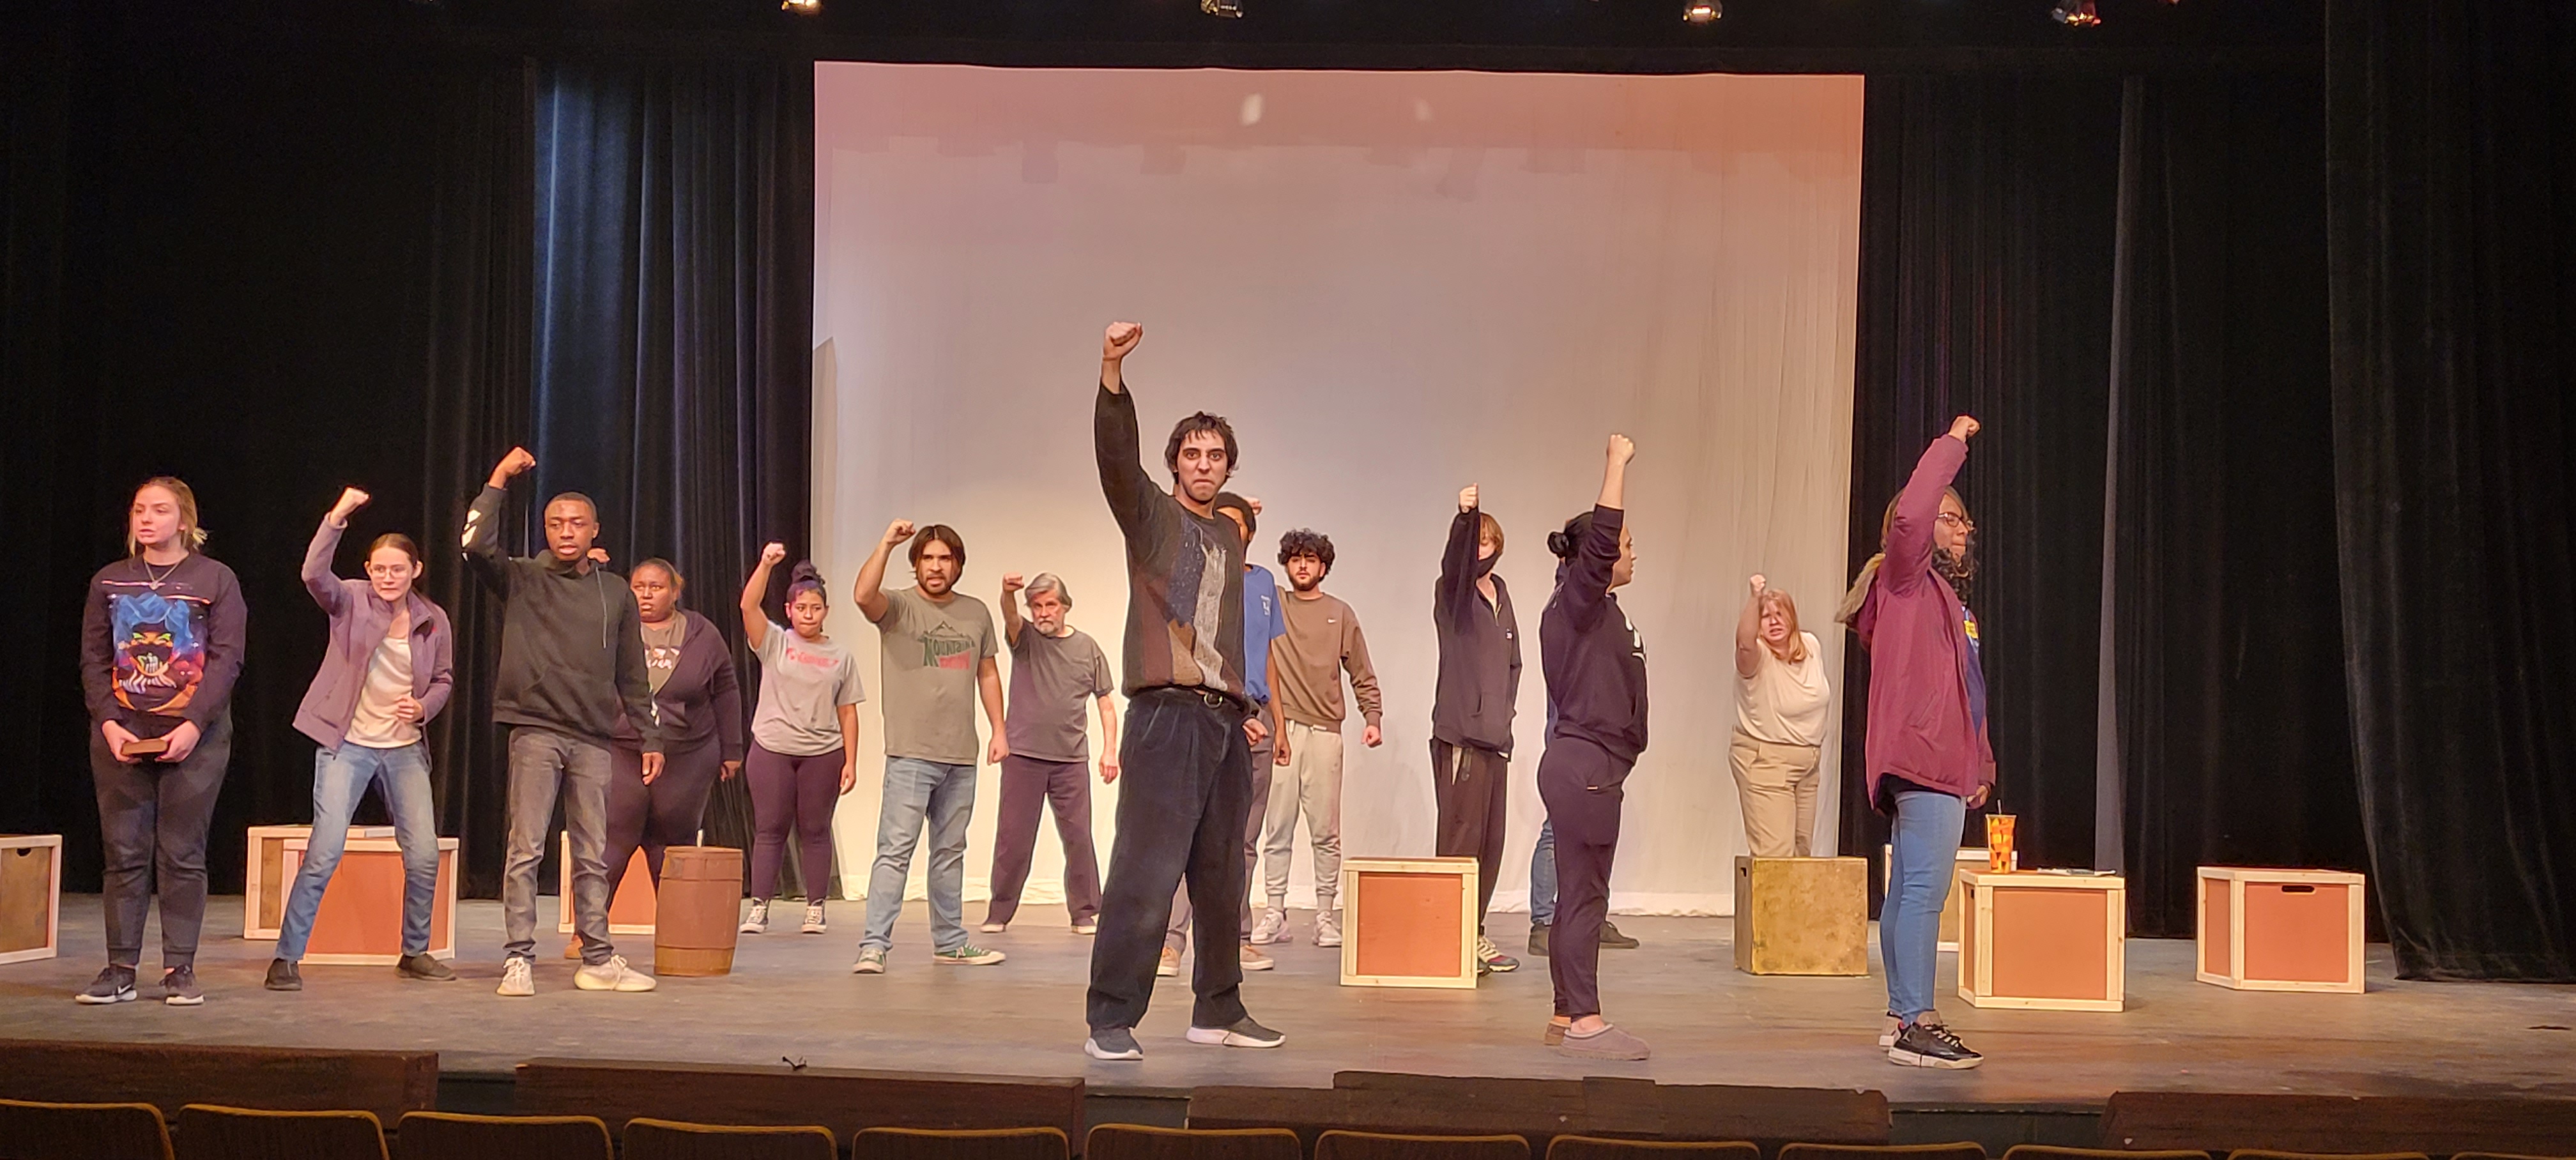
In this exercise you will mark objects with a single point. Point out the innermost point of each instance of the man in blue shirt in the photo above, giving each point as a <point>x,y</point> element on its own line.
<point>1263,622</point>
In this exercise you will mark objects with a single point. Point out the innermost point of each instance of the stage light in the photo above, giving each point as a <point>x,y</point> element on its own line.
<point>1228,8</point>
<point>801,7</point>
<point>1703,11</point>
<point>2076,13</point>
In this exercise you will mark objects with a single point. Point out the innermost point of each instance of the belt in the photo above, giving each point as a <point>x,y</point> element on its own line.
<point>1212,698</point>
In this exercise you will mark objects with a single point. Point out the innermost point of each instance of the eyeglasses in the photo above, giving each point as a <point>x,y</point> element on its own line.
<point>1954,519</point>
<point>388,571</point>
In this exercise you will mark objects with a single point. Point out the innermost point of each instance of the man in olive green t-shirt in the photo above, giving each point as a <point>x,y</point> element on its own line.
<point>939,649</point>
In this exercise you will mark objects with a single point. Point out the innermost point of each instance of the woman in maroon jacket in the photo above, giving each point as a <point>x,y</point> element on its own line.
<point>1929,762</point>
<point>700,708</point>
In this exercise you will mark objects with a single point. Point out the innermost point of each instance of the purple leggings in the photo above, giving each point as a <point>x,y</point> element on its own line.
<point>799,793</point>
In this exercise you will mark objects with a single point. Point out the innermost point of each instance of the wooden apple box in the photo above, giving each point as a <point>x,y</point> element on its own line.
<point>360,922</point>
<point>2052,942</point>
<point>31,896</point>
<point>1951,907</point>
<point>2280,930</point>
<point>267,879</point>
<point>630,912</point>
<point>1409,922</point>
<point>1801,916</point>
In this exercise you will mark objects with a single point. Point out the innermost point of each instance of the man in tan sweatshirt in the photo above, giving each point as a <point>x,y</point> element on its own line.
<point>1323,642</point>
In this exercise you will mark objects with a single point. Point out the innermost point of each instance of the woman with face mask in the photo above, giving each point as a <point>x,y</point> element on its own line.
<point>385,675</point>
<point>699,703</point>
<point>804,737</point>
<point>161,645</point>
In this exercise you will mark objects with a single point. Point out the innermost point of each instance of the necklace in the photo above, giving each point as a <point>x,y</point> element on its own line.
<point>154,582</point>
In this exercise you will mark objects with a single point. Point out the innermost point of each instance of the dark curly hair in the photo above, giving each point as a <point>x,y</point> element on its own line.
<point>1192,425</point>
<point>1227,501</point>
<point>1306,542</point>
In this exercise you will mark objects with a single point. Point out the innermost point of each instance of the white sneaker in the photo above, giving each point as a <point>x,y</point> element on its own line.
<point>813,918</point>
<point>871,962</point>
<point>1328,928</point>
<point>1273,928</point>
<point>1251,958</point>
<point>758,923</point>
<point>613,975</point>
<point>1888,1031</point>
<point>518,977</point>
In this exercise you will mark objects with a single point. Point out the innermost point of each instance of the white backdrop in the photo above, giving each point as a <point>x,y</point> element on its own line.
<point>1394,284</point>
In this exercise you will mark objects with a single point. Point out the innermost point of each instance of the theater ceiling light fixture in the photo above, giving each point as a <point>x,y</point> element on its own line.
<point>1232,9</point>
<point>801,7</point>
<point>2076,14</point>
<point>1703,11</point>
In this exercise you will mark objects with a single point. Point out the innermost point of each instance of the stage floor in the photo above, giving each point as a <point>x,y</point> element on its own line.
<point>793,997</point>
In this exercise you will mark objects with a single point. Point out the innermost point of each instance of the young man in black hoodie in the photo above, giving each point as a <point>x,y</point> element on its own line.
<point>572,662</point>
<point>1471,713</point>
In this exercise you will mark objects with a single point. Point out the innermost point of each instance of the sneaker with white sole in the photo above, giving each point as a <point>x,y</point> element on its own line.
<point>1112,1043</point>
<point>613,975</point>
<point>1328,928</point>
<point>113,985</point>
<point>1273,928</point>
<point>179,987</point>
<point>1244,1033</point>
<point>758,922</point>
<point>1086,928</point>
<point>871,961</point>
<point>1888,1031</point>
<point>1252,959</point>
<point>1931,1045</point>
<point>518,977</point>
<point>1491,958</point>
<point>968,955</point>
<point>1169,965</point>
<point>813,919</point>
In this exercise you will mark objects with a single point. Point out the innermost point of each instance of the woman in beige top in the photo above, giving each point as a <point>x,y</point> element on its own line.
<point>1781,701</point>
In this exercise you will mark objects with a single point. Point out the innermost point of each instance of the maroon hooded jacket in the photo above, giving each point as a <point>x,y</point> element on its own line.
<point>1912,623</point>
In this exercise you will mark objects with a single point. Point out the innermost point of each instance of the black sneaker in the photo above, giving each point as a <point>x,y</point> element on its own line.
<point>1113,1043</point>
<point>1931,1045</point>
<point>424,967</point>
<point>1244,1033</point>
<point>179,987</point>
<point>113,985</point>
<point>282,976</point>
<point>1612,940</point>
<point>1538,939</point>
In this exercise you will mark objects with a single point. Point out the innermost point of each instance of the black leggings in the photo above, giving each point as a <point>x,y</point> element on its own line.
<point>1586,822</point>
<point>657,816</point>
<point>799,794</point>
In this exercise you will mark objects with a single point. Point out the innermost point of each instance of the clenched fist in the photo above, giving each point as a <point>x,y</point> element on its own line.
<point>1622,449</point>
<point>898,531</point>
<point>773,553</point>
<point>1467,498</point>
<point>1963,427</point>
<point>351,499</point>
<point>1120,338</point>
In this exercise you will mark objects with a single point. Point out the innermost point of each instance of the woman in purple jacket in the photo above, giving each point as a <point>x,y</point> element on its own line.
<point>1596,678</point>
<point>1929,762</point>
<point>385,675</point>
<point>700,706</point>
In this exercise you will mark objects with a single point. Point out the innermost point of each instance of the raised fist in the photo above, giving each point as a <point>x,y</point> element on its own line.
<point>1622,449</point>
<point>1120,338</point>
<point>773,553</point>
<point>516,461</point>
<point>1963,427</point>
<point>898,531</point>
<point>1467,498</point>
<point>1011,583</point>
<point>1759,584</point>
<point>351,499</point>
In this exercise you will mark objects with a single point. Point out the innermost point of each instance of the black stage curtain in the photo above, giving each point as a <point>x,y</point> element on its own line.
<point>2233,742</point>
<point>1985,288</point>
<point>2451,188</point>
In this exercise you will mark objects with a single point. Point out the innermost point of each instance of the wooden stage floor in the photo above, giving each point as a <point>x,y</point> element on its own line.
<point>793,997</point>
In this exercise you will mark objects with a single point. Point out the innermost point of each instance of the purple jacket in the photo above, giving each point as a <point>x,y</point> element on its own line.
<point>358,621</point>
<point>701,701</point>
<point>1915,630</point>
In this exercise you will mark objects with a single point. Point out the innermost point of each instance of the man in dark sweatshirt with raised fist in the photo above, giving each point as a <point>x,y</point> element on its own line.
<point>572,663</point>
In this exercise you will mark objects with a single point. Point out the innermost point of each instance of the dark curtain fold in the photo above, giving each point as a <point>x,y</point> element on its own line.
<point>2451,188</point>
<point>1985,289</point>
<point>2234,744</point>
<point>673,366</point>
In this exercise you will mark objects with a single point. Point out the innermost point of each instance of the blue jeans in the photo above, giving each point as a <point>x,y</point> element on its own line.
<point>340,778</point>
<point>916,792</point>
<point>1922,852</point>
<point>1543,876</point>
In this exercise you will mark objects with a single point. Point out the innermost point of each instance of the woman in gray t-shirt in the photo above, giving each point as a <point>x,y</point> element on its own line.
<point>804,736</point>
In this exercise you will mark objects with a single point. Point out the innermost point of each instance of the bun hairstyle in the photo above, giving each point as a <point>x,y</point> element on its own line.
<point>1569,540</point>
<point>805,577</point>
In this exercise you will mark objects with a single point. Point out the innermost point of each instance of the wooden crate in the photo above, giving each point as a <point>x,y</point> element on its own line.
<point>2280,930</point>
<point>1801,916</point>
<point>631,912</point>
<point>1411,922</point>
<point>266,880</point>
<point>1969,859</point>
<point>2055,942</point>
<point>31,896</point>
<point>359,923</point>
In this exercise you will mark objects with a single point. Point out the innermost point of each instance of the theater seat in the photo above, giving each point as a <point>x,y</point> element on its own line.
<point>212,1132</point>
<point>1600,1148</point>
<point>449,1136</point>
<point>1341,1145</point>
<point>672,1140</point>
<point>35,1130</point>
<point>1138,1142</point>
<point>959,1144</point>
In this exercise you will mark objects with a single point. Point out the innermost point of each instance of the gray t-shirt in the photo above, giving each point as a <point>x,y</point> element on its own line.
<point>1053,680</point>
<point>932,652</point>
<point>803,684</point>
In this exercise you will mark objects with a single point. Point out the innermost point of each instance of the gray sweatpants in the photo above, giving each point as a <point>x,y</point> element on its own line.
<point>544,763</point>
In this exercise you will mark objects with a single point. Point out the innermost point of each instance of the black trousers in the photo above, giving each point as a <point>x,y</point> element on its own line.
<point>1469,785</point>
<point>659,816</point>
<point>152,822</point>
<point>1587,838</point>
<point>1182,799</point>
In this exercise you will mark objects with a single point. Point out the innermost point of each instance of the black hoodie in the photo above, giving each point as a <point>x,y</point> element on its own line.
<point>1480,647</point>
<point>572,644</point>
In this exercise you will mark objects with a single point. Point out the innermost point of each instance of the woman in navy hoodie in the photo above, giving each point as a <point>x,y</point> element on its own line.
<point>386,674</point>
<point>700,707</point>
